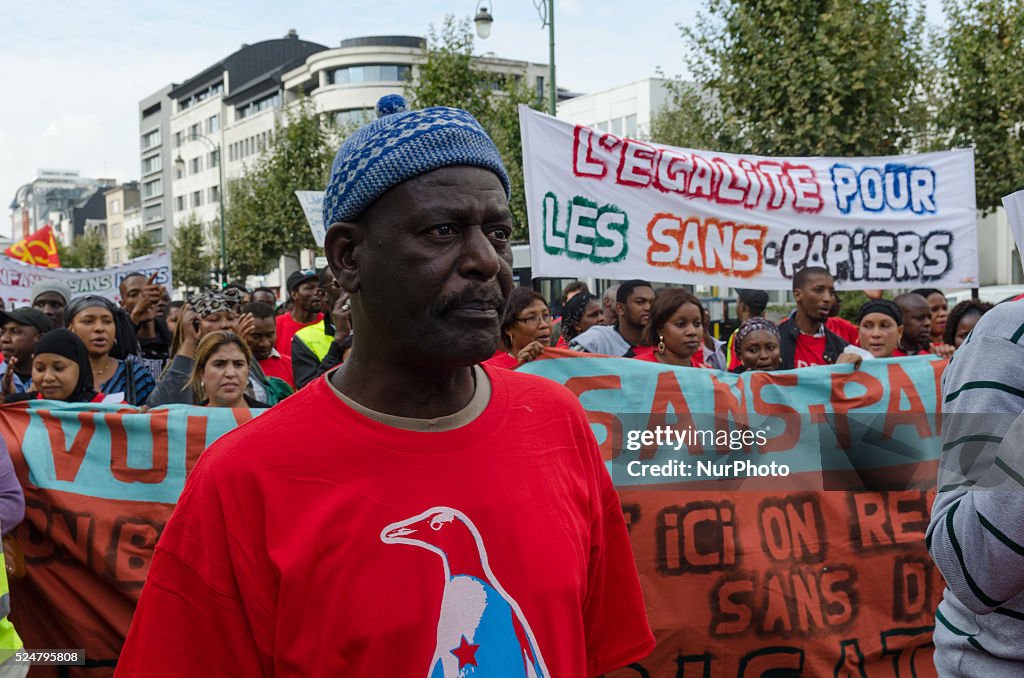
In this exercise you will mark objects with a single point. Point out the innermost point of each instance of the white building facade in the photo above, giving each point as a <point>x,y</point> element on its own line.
<point>229,112</point>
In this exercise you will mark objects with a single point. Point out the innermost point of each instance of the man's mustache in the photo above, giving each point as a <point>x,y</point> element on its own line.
<point>470,298</point>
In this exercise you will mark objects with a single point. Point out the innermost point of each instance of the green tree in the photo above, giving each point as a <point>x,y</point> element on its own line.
<point>264,220</point>
<point>801,77</point>
<point>191,261</point>
<point>448,76</point>
<point>981,91</point>
<point>87,251</point>
<point>139,243</point>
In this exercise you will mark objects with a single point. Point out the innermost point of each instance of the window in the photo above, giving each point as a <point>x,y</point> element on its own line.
<point>151,139</point>
<point>617,127</point>
<point>152,164</point>
<point>178,138</point>
<point>540,87</point>
<point>264,104</point>
<point>115,255</point>
<point>115,230</point>
<point>212,124</point>
<point>156,236</point>
<point>353,117</point>
<point>631,126</point>
<point>369,73</point>
<point>213,159</point>
<point>153,213</point>
<point>178,172</point>
<point>214,194</point>
<point>153,188</point>
<point>211,91</point>
<point>193,131</point>
<point>115,206</point>
<point>195,165</point>
<point>197,198</point>
<point>179,203</point>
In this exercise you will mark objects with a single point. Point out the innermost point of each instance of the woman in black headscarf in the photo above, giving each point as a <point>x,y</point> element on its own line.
<point>60,370</point>
<point>113,349</point>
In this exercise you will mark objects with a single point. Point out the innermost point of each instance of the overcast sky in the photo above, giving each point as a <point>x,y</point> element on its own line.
<point>73,73</point>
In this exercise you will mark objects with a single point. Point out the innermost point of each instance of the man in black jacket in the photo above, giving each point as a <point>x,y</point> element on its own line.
<point>805,339</point>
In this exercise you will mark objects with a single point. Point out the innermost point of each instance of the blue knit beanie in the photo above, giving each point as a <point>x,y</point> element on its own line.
<point>399,145</point>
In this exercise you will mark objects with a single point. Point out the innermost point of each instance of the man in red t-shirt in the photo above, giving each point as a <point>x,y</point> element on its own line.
<point>805,340</point>
<point>387,520</point>
<point>261,342</point>
<point>306,296</point>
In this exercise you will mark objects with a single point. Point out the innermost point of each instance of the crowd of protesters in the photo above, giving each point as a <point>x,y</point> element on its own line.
<point>228,589</point>
<point>149,351</point>
<point>671,326</point>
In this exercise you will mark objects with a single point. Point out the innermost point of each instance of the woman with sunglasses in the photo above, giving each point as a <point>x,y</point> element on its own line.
<point>525,329</point>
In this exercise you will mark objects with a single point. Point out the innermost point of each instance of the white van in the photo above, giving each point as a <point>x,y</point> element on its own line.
<point>992,294</point>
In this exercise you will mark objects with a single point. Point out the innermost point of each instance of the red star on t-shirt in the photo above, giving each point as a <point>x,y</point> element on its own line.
<point>466,652</point>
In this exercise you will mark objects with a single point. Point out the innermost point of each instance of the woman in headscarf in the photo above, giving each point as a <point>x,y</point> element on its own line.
<point>579,314</point>
<point>880,323</point>
<point>757,345</point>
<point>61,370</point>
<point>113,349</point>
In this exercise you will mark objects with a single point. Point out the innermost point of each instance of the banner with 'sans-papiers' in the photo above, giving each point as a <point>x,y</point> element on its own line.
<point>749,575</point>
<point>741,576</point>
<point>17,278</point>
<point>605,206</point>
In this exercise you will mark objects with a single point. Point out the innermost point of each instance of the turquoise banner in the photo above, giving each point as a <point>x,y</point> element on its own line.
<point>658,424</point>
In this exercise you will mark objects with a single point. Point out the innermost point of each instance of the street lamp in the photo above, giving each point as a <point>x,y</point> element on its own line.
<point>546,11</point>
<point>179,163</point>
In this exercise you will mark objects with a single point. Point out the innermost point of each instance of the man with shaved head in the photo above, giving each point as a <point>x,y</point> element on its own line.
<point>917,325</point>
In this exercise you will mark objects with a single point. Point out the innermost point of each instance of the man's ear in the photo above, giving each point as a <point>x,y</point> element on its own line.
<point>341,245</point>
<point>620,309</point>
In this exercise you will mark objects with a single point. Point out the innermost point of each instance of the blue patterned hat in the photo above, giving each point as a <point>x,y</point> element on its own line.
<point>400,145</point>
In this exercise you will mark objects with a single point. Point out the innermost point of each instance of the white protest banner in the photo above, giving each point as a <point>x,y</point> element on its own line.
<point>17,278</point>
<point>1014,206</point>
<point>603,206</point>
<point>313,207</point>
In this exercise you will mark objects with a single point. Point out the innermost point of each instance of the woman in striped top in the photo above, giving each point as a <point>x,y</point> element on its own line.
<point>103,328</point>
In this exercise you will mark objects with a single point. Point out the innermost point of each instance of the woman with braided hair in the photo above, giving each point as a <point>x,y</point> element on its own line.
<point>579,314</point>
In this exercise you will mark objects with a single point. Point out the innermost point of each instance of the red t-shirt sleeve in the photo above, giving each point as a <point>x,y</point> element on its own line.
<point>190,620</point>
<point>614,618</point>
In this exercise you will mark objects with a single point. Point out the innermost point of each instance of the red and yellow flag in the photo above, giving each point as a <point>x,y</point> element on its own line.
<point>38,249</point>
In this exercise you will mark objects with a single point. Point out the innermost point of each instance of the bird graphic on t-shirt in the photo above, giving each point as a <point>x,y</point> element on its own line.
<point>481,631</point>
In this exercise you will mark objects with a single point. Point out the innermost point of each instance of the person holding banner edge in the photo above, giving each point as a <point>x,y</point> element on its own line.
<point>423,524</point>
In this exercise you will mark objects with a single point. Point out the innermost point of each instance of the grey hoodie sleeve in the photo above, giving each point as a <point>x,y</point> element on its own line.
<point>171,388</point>
<point>976,532</point>
<point>12,499</point>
